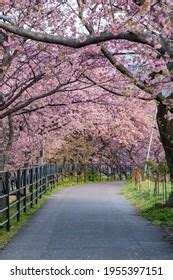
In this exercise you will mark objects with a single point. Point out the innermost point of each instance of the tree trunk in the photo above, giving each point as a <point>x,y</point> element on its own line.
<point>2,149</point>
<point>165,125</point>
<point>6,141</point>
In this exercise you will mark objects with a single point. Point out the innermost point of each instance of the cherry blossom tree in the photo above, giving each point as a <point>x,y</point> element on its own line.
<point>132,39</point>
<point>114,129</point>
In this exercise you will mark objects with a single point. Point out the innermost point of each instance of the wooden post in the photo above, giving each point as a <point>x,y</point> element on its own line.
<point>36,184</point>
<point>31,187</point>
<point>18,194</point>
<point>7,187</point>
<point>24,183</point>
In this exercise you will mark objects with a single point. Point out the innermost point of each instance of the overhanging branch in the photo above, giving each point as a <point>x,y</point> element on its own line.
<point>74,43</point>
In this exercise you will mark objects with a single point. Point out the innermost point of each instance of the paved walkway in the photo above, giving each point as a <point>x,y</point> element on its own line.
<point>88,222</point>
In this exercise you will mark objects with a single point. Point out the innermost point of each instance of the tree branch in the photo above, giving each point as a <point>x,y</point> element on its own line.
<point>117,93</point>
<point>30,84</point>
<point>74,43</point>
<point>59,88</point>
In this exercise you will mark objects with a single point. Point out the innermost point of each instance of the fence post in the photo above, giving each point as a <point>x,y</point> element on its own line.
<point>31,187</point>
<point>24,182</point>
<point>85,179</point>
<point>77,176</point>
<point>54,175</point>
<point>100,172</point>
<point>36,185</point>
<point>43,179</point>
<point>46,183</point>
<point>50,174</point>
<point>40,181</point>
<point>107,172</point>
<point>18,194</point>
<point>57,174</point>
<point>7,200</point>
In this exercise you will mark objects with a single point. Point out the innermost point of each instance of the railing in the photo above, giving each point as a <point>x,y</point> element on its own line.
<point>20,189</point>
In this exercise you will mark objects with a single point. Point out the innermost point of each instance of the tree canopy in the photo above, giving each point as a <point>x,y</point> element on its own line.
<point>64,63</point>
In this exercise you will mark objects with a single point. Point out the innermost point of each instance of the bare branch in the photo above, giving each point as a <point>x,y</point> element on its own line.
<point>31,83</point>
<point>117,93</point>
<point>74,43</point>
<point>121,68</point>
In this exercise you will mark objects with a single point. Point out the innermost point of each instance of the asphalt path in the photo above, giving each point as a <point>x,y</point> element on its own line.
<point>91,221</point>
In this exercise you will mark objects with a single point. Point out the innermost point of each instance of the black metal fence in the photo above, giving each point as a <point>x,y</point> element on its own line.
<point>20,189</point>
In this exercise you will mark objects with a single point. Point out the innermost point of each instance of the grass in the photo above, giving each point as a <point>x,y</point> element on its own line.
<point>15,226</point>
<point>149,206</point>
